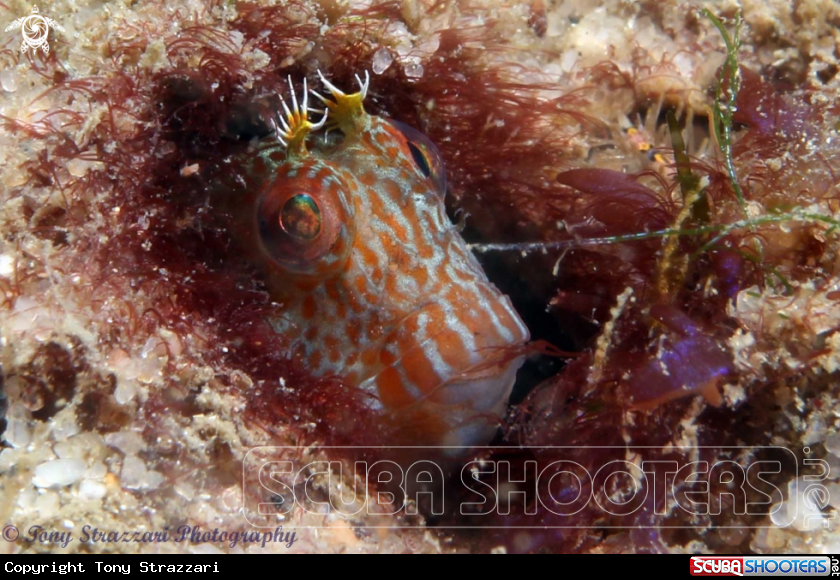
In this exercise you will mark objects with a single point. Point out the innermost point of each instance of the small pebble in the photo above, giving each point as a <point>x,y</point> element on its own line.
<point>8,81</point>
<point>59,472</point>
<point>382,59</point>
<point>133,474</point>
<point>129,442</point>
<point>90,489</point>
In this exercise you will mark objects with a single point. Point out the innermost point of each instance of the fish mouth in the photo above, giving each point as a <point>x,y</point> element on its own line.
<point>464,411</point>
<point>440,388</point>
<point>476,402</point>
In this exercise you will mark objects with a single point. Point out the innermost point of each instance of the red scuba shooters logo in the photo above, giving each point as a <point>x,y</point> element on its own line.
<point>717,566</point>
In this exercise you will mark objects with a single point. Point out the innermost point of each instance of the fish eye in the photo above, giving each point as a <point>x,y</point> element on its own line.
<point>425,155</point>
<point>301,217</point>
<point>305,224</point>
<point>421,159</point>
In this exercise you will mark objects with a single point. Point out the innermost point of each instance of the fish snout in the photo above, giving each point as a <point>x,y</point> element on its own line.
<point>449,376</point>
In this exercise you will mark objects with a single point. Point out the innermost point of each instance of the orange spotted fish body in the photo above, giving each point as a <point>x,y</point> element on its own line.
<point>378,284</point>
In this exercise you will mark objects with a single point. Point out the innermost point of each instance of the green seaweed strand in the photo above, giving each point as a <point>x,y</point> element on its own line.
<point>723,229</point>
<point>725,107</point>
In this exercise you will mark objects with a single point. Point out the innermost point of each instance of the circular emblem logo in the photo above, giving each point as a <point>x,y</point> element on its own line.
<point>36,29</point>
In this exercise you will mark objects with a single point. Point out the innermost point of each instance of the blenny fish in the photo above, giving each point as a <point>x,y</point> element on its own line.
<point>378,285</point>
